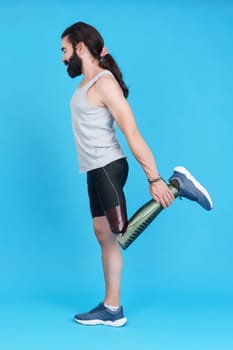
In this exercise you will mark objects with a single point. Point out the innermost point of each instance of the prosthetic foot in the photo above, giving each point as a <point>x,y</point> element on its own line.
<point>190,188</point>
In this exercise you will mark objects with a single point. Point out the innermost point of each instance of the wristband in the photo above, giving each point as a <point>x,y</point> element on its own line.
<point>155,180</point>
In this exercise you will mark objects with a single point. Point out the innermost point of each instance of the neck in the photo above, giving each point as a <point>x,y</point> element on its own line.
<point>90,70</point>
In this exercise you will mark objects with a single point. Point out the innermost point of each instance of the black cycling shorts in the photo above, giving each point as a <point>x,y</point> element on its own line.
<point>105,186</point>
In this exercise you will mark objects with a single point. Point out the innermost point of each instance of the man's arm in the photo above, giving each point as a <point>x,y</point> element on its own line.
<point>112,97</point>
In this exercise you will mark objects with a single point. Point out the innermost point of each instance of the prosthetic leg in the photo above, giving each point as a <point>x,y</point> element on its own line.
<point>141,219</point>
<point>117,219</point>
<point>182,184</point>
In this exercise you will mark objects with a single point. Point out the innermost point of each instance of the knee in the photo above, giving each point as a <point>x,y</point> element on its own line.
<point>102,231</point>
<point>98,233</point>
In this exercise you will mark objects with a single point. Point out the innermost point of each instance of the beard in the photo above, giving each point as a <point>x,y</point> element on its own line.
<point>74,64</point>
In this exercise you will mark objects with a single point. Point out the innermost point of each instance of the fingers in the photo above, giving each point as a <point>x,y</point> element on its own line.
<point>165,201</point>
<point>163,196</point>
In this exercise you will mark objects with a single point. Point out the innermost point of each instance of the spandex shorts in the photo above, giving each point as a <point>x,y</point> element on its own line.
<point>105,186</point>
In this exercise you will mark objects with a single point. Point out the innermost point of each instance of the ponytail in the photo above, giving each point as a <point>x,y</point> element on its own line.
<point>108,62</point>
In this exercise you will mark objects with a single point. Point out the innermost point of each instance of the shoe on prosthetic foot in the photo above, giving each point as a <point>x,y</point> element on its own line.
<point>190,188</point>
<point>182,184</point>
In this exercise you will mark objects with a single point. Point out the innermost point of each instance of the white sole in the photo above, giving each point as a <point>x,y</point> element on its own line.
<point>185,172</point>
<point>117,323</point>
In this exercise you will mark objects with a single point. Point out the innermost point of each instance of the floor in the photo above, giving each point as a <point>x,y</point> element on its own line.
<point>167,322</point>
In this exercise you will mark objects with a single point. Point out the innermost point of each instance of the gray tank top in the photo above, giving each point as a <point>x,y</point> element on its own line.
<point>94,130</point>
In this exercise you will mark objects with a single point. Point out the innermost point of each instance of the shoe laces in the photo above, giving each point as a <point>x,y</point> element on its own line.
<point>97,308</point>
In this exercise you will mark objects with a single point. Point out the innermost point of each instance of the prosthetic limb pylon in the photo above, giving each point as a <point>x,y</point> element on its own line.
<point>141,219</point>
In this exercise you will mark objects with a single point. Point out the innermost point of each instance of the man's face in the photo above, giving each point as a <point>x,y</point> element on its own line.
<point>71,59</point>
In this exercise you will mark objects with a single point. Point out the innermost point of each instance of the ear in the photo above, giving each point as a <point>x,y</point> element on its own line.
<point>80,48</point>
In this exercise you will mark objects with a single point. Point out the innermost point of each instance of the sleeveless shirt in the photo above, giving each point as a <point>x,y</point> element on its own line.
<point>94,130</point>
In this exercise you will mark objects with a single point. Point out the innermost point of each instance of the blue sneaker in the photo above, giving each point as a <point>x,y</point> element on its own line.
<point>190,188</point>
<point>101,315</point>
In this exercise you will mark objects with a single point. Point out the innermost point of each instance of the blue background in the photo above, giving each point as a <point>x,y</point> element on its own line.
<point>177,288</point>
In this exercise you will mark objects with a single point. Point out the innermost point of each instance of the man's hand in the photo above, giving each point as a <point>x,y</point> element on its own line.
<point>161,193</point>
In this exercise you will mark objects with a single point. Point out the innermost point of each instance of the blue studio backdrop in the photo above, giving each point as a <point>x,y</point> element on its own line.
<point>176,57</point>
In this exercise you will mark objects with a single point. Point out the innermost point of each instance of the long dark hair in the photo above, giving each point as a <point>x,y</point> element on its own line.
<point>93,40</point>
